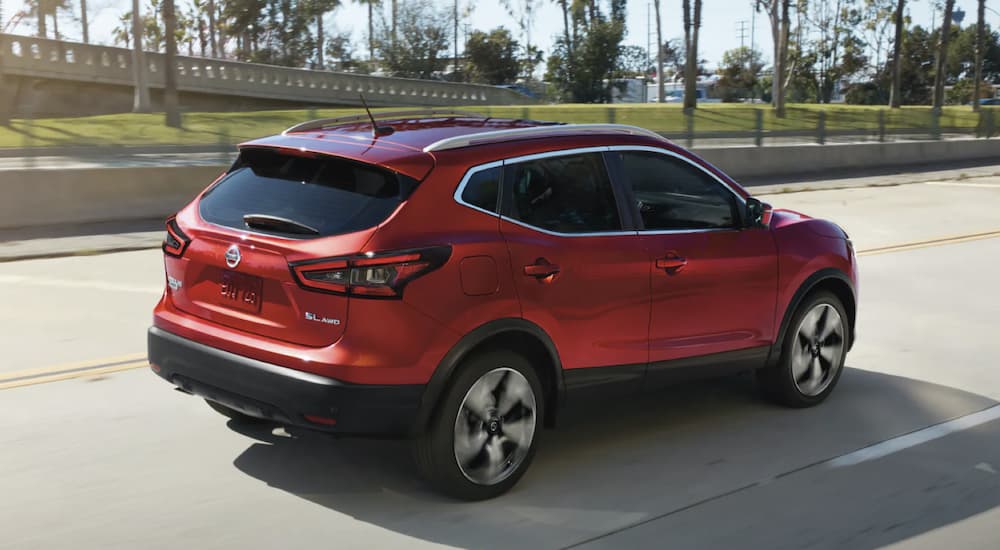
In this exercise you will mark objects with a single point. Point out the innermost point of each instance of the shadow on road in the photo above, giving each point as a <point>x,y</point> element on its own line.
<point>613,466</point>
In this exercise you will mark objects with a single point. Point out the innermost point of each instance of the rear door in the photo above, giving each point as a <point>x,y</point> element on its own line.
<point>272,209</point>
<point>579,275</point>
<point>713,282</point>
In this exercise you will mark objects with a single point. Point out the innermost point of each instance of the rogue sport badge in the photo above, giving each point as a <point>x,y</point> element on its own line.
<point>233,256</point>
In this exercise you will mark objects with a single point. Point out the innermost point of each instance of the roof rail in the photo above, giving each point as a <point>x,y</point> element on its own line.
<point>496,136</point>
<point>321,123</point>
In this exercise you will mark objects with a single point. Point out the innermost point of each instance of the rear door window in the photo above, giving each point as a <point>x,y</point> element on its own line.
<point>331,194</point>
<point>565,194</point>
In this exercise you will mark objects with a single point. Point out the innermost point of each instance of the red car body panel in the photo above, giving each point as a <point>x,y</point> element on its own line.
<point>609,303</point>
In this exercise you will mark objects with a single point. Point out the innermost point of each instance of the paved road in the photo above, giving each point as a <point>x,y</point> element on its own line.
<point>119,460</point>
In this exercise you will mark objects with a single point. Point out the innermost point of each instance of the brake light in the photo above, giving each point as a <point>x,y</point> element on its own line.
<point>372,275</point>
<point>176,240</point>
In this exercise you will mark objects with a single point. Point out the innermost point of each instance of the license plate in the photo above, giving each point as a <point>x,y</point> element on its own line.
<point>239,291</point>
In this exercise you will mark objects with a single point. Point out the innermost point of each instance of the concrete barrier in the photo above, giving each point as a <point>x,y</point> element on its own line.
<point>785,160</point>
<point>49,197</point>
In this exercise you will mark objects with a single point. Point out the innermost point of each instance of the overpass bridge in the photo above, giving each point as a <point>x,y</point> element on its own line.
<point>42,77</point>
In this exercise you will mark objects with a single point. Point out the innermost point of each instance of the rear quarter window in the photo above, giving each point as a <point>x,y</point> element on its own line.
<point>331,194</point>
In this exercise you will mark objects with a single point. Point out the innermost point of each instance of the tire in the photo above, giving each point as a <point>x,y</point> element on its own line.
<point>812,354</point>
<point>474,455</point>
<point>233,414</point>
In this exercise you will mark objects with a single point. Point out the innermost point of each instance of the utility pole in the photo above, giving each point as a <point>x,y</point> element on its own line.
<point>140,99</point>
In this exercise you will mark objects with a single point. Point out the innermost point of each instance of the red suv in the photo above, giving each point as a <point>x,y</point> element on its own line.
<point>457,279</point>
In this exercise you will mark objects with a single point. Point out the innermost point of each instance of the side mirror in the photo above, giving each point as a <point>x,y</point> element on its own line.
<point>758,213</point>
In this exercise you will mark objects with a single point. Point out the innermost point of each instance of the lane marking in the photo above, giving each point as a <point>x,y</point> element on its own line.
<point>67,283</point>
<point>963,184</point>
<point>72,370</point>
<point>919,437</point>
<point>929,243</point>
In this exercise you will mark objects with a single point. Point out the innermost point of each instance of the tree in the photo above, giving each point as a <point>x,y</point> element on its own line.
<point>420,49</point>
<point>318,9</point>
<point>596,45</point>
<point>84,25</point>
<point>692,24</point>
<point>140,98</point>
<point>895,95</point>
<point>492,58</point>
<point>170,103</point>
<point>659,53</point>
<point>778,15</point>
<point>738,73</point>
<point>942,55</point>
<point>371,25</point>
<point>980,35</point>
<point>632,62</point>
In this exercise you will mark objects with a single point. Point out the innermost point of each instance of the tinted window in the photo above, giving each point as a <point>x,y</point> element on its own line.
<point>482,190</point>
<point>567,194</point>
<point>672,194</point>
<point>330,194</point>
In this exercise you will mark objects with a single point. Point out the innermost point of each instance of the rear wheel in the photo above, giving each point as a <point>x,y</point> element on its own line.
<point>486,430</point>
<point>812,355</point>
<point>234,414</point>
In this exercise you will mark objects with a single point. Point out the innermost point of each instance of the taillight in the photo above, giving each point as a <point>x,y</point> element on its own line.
<point>374,275</point>
<point>176,240</point>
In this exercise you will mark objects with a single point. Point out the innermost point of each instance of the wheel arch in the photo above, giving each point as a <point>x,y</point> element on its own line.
<point>511,333</point>
<point>831,279</point>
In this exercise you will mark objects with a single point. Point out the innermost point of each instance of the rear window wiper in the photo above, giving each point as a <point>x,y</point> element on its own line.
<point>279,224</point>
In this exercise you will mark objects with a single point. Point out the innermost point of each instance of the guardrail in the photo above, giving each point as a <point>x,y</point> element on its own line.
<point>54,59</point>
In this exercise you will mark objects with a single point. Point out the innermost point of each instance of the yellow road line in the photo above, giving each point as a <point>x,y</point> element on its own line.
<point>928,243</point>
<point>93,363</point>
<point>109,365</point>
<point>70,371</point>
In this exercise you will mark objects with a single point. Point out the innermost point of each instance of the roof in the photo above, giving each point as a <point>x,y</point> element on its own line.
<point>413,140</point>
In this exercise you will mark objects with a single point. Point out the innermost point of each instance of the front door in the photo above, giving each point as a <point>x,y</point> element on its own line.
<point>713,281</point>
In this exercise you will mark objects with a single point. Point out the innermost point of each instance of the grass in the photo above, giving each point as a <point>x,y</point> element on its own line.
<point>228,128</point>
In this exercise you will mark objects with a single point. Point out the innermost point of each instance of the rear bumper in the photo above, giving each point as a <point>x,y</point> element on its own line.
<point>281,394</point>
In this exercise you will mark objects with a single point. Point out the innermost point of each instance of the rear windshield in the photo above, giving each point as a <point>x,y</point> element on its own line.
<point>329,194</point>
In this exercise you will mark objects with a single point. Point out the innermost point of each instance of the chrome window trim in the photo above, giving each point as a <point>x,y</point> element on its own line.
<point>584,150</point>
<point>465,181</point>
<point>557,234</point>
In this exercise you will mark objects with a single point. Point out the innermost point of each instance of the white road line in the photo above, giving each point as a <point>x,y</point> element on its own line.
<point>963,184</point>
<point>918,437</point>
<point>66,283</point>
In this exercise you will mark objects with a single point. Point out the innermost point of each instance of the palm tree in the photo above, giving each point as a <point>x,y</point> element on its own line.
<point>980,31</point>
<point>659,53</point>
<point>942,56</point>
<point>318,9</point>
<point>692,22</point>
<point>371,25</point>
<point>897,67</point>
<point>173,115</point>
<point>84,26</point>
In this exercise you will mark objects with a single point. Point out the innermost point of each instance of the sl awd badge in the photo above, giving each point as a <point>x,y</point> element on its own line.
<point>321,319</point>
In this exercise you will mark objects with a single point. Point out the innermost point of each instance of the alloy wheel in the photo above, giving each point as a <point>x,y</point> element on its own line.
<point>818,349</point>
<point>495,426</point>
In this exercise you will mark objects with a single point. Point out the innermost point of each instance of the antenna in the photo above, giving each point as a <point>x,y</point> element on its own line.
<point>376,129</point>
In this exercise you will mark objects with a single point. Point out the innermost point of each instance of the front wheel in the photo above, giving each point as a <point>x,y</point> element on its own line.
<point>485,433</point>
<point>812,355</point>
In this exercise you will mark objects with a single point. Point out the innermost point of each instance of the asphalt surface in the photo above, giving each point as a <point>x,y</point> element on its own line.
<point>110,458</point>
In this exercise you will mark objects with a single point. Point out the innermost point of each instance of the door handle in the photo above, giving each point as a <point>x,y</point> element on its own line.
<point>541,269</point>
<point>672,263</point>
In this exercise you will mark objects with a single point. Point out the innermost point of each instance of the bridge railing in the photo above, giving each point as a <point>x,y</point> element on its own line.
<point>44,58</point>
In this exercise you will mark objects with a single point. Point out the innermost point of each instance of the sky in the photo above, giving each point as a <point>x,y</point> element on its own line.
<point>720,25</point>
